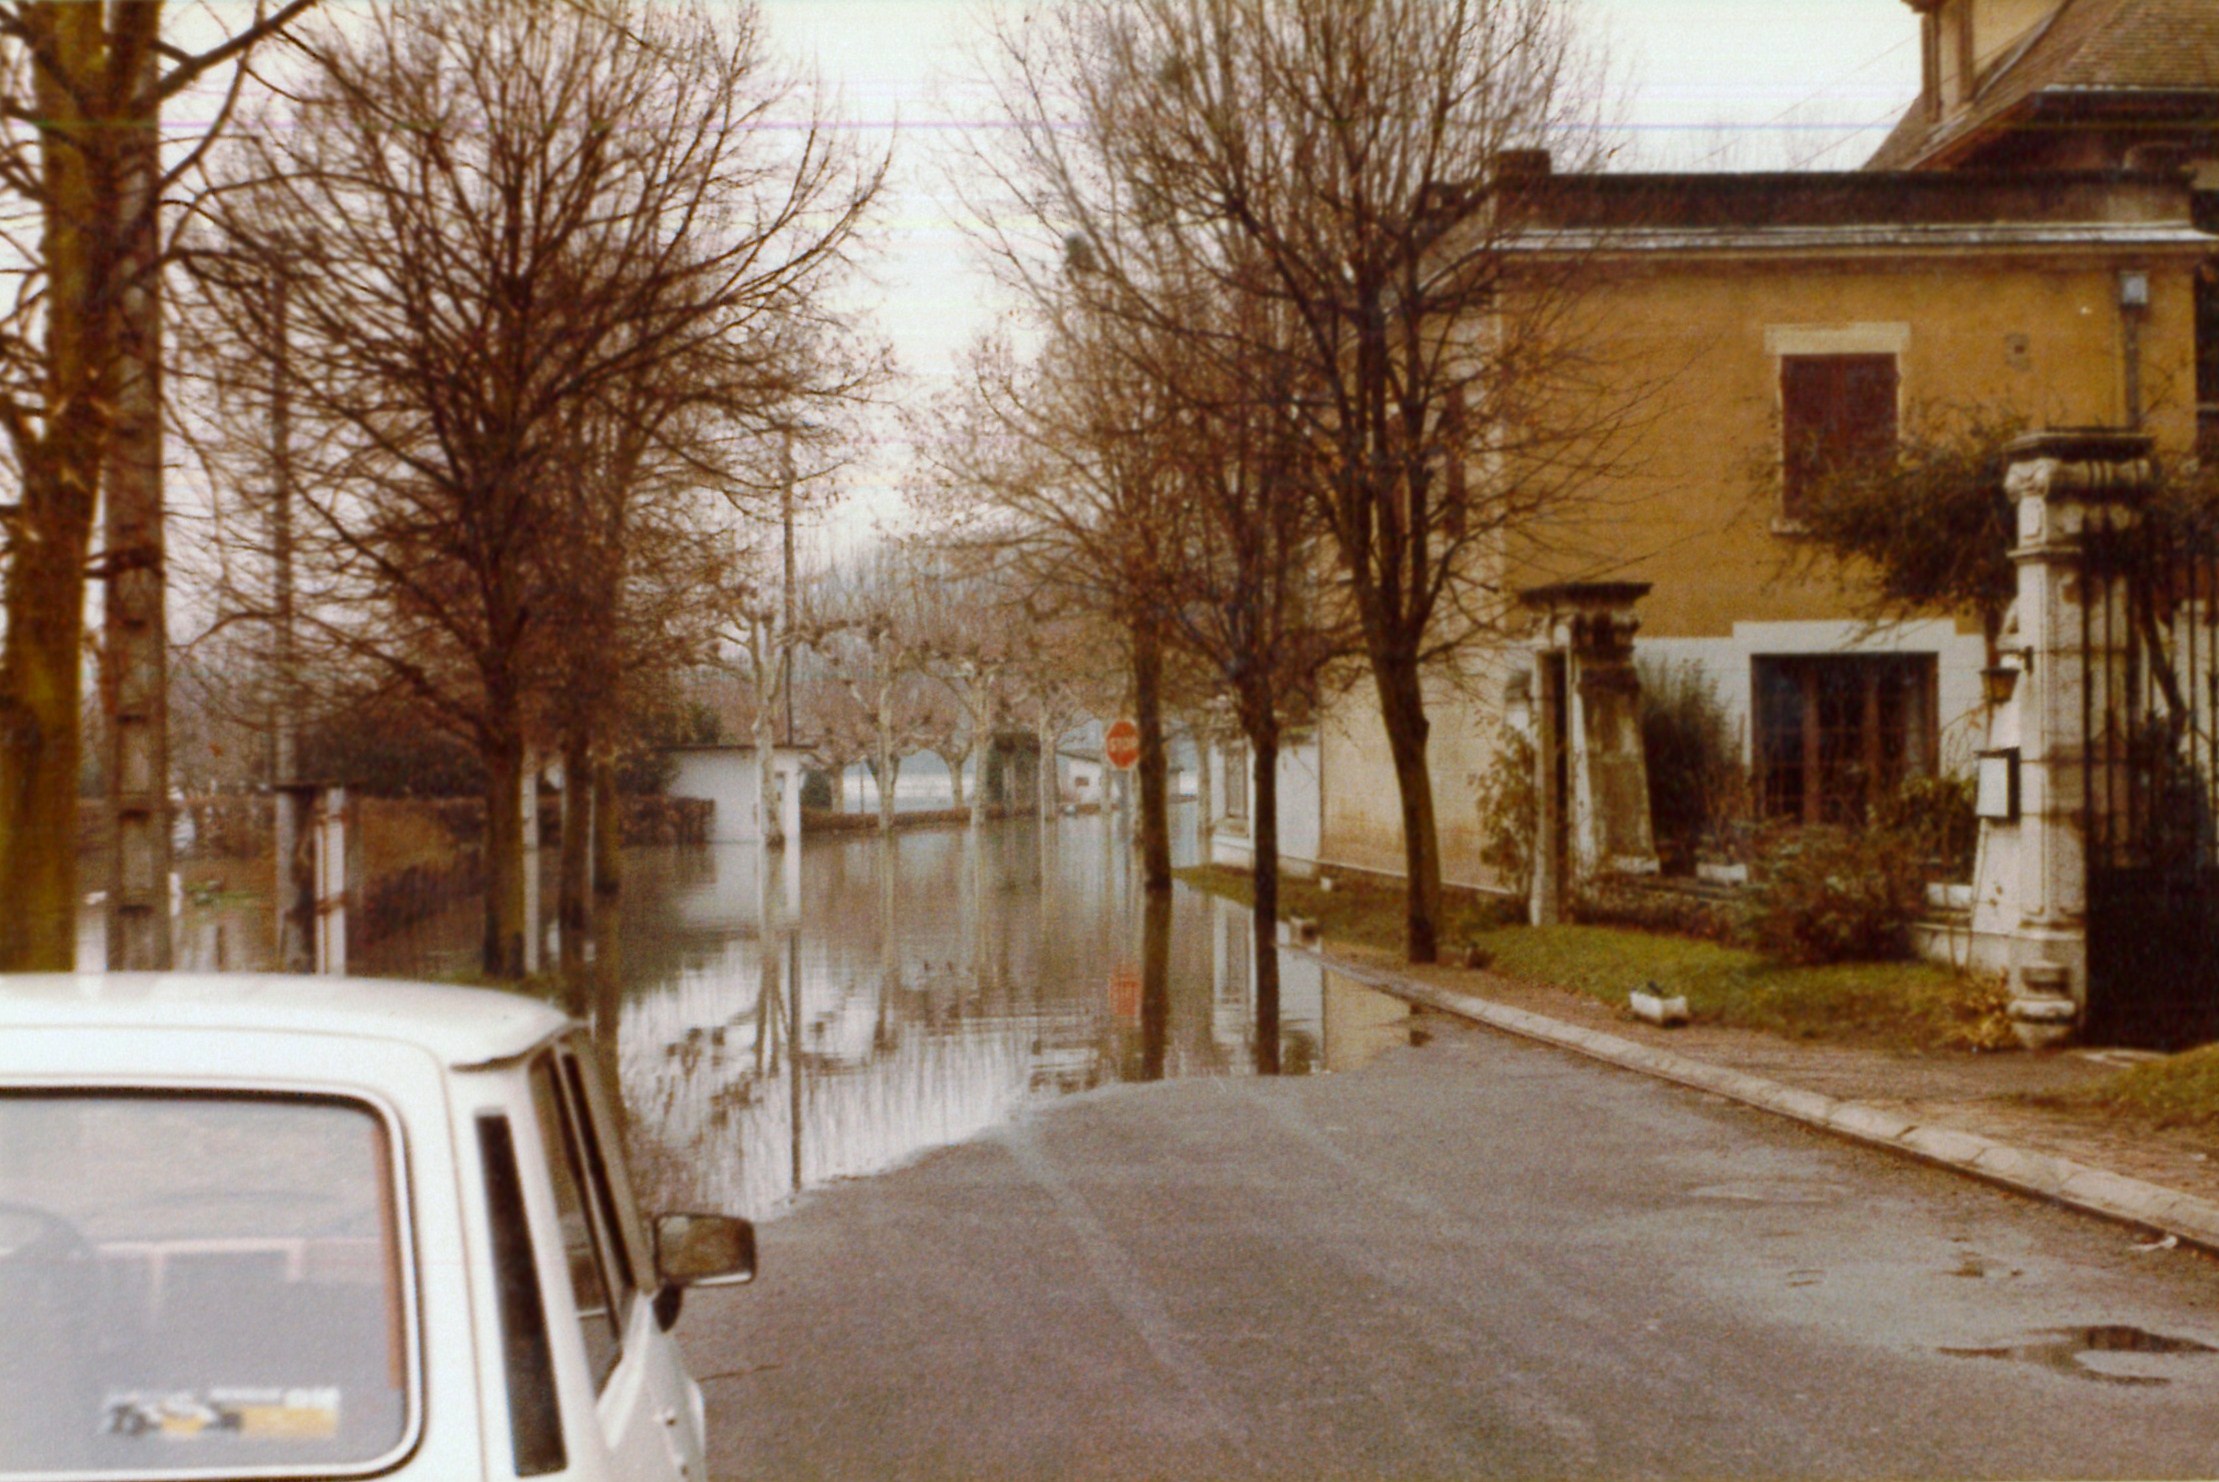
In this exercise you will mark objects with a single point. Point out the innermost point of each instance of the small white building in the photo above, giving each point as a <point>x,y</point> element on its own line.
<point>726,777</point>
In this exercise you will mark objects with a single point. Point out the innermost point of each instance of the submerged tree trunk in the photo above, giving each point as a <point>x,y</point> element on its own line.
<point>1155,792</point>
<point>766,779</point>
<point>982,746</point>
<point>885,773</point>
<point>888,765</point>
<point>1155,984</point>
<point>1205,799</point>
<point>955,763</point>
<point>1264,884</point>
<point>608,832</point>
<point>1045,770</point>
<point>1402,712</point>
<point>575,909</point>
<point>503,955</point>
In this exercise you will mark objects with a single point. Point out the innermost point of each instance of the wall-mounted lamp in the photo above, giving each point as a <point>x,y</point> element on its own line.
<point>2134,289</point>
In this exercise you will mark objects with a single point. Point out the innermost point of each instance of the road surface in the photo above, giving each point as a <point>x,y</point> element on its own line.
<point>1473,1257</point>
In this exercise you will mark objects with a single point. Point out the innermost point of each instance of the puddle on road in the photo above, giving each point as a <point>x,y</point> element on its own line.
<point>2068,1349</point>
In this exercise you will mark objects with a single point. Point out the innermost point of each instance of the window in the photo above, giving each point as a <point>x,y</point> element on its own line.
<point>1236,780</point>
<point>586,1246</point>
<point>200,1285</point>
<point>535,1419</point>
<point>1835,411</point>
<point>609,1179</point>
<point>1836,733</point>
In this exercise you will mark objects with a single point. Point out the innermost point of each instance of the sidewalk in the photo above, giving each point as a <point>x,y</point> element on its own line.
<point>1959,1110</point>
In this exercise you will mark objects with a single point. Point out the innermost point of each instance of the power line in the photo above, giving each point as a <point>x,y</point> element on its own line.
<point>1860,68</point>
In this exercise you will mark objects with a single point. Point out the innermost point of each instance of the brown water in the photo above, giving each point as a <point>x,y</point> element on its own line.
<point>785,1021</point>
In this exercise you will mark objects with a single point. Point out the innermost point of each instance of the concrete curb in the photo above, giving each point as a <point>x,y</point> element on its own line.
<point>2191,1220</point>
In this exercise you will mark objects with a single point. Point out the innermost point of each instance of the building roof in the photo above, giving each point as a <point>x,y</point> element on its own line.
<point>2088,52</point>
<point>461,1026</point>
<point>1809,211</point>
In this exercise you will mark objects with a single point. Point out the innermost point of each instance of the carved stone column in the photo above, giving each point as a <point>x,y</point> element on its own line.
<point>1592,782</point>
<point>2067,488</point>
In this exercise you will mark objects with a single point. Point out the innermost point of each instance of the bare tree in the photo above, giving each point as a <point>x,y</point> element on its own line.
<point>1248,597</point>
<point>1049,466</point>
<point>82,87</point>
<point>503,223</point>
<point>1341,161</point>
<point>872,639</point>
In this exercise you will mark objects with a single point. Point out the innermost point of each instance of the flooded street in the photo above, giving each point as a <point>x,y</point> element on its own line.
<point>785,1021</point>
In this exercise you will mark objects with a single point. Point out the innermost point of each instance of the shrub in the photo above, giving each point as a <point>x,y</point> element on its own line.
<point>1510,814</point>
<point>1676,910</point>
<point>1838,895</point>
<point>1934,816</point>
<point>1697,784</point>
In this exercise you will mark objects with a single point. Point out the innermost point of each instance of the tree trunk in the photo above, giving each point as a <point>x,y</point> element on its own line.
<point>40,685</point>
<point>982,747</point>
<point>1155,792</point>
<point>1263,874</point>
<point>766,778</point>
<point>134,628</point>
<point>955,780</point>
<point>888,765</point>
<point>1205,799</point>
<point>39,698</point>
<point>574,911</point>
<point>1155,984</point>
<point>1045,770</point>
<point>503,956</point>
<point>608,834</point>
<point>1402,712</point>
<point>885,773</point>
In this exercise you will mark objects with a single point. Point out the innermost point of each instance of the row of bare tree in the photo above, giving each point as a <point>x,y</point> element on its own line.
<point>910,646</point>
<point>498,317</point>
<point>1292,381</point>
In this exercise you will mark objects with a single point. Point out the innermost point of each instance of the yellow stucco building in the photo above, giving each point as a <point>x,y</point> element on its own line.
<point>1745,314</point>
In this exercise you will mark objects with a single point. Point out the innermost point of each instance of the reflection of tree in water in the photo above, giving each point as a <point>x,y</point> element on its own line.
<point>944,980</point>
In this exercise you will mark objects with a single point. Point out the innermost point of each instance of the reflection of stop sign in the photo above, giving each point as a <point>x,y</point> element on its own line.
<point>1124,992</point>
<point>1122,745</point>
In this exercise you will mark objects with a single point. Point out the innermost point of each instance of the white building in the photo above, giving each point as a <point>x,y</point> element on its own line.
<point>727,776</point>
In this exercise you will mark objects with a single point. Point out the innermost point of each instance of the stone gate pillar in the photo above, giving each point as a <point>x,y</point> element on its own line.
<point>2071,653</point>
<point>1593,809</point>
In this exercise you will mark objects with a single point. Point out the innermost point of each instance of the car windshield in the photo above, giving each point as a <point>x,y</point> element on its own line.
<point>194,1283</point>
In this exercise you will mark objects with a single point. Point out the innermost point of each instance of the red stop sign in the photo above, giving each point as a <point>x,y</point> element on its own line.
<point>1121,744</point>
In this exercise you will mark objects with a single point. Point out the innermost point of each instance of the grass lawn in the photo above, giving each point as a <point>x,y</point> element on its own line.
<point>1903,1005</point>
<point>2178,1091</point>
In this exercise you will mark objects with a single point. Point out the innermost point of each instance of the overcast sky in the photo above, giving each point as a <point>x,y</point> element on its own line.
<point>1714,84</point>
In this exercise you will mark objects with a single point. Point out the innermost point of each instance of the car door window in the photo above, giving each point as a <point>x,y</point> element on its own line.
<point>608,1181</point>
<point>535,1418</point>
<point>582,1239</point>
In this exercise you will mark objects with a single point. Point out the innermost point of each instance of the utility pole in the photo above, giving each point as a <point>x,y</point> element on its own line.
<point>296,873</point>
<point>786,639</point>
<point>134,622</point>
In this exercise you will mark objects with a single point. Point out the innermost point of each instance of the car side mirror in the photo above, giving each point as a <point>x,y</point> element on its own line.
<point>700,1250</point>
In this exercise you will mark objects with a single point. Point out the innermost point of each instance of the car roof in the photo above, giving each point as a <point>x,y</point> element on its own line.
<point>461,1026</point>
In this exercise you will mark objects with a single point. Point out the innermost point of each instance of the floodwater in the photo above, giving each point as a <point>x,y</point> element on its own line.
<point>781,1020</point>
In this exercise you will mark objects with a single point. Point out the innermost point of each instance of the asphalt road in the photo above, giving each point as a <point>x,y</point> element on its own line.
<point>1476,1257</point>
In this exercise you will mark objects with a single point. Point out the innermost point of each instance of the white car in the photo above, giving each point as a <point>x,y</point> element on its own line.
<point>312,1227</point>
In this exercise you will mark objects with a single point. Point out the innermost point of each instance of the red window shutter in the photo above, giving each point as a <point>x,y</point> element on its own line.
<point>1834,409</point>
